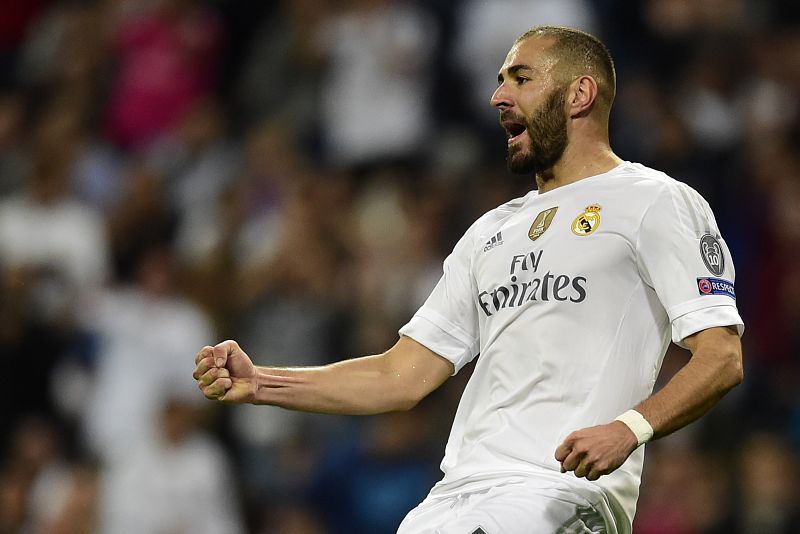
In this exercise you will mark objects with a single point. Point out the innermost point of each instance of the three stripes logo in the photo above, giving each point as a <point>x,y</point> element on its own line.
<point>495,241</point>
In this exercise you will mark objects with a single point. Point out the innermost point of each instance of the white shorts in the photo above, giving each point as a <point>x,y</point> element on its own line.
<point>508,508</point>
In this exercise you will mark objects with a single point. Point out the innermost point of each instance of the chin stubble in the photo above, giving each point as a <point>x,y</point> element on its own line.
<point>547,131</point>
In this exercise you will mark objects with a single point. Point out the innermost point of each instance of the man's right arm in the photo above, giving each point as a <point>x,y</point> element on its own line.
<point>395,380</point>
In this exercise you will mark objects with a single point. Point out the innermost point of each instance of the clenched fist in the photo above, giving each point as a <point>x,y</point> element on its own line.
<point>596,451</point>
<point>225,373</point>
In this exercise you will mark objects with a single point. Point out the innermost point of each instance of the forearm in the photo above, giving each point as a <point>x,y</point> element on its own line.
<point>360,386</point>
<point>693,391</point>
<point>394,380</point>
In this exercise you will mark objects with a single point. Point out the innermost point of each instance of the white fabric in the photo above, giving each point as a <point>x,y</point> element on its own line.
<point>590,344</point>
<point>519,505</point>
<point>638,425</point>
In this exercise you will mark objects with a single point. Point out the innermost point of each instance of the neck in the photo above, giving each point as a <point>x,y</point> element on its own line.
<point>579,161</point>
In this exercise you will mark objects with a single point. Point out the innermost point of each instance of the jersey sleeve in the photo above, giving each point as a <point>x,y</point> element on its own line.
<point>447,323</point>
<point>683,257</point>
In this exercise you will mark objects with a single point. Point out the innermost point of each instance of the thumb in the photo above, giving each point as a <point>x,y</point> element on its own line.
<point>222,351</point>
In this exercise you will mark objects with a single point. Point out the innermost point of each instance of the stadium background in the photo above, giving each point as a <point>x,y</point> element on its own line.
<point>291,174</point>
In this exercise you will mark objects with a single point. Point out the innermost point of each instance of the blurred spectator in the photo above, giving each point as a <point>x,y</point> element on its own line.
<point>17,18</point>
<point>290,518</point>
<point>141,216</point>
<point>73,508</point>
<point>42,490</point>
<point>283,70</point>
<point>29,342</point>
<point>484,33</point>
<point>14,491</point>
<point>293,290</point>
<point>147,334</point>
<point>167,61</point>
<point>272,166</point>
<point>178,482</point>
<point>775,176</point>
<point>378,81</point>
<point>14,160</point>
<point>707,99</point>
<point>66,50</point>
<point>687,491</point>
<point>59,243</point>
<point>198,162</point>
<point>768,487</point>
<point>95,173</point>
<point>368,483</point>
<point>400,226</point>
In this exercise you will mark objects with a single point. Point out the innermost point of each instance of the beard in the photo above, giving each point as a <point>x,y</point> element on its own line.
<point>547,132</point>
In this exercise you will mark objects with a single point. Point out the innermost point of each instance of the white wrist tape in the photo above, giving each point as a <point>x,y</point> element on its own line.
<point>638,425</point>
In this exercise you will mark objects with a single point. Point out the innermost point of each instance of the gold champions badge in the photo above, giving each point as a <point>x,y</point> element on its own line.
<point>588,221</point>
<point>541,223</point>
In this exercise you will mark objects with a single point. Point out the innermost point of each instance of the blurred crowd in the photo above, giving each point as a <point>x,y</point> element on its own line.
<point>291,174</point>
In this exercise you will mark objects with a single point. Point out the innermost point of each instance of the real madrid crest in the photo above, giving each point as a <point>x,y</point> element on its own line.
<point>588,221</point>
<point>541,223</point>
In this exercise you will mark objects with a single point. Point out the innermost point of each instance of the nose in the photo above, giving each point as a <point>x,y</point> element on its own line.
<point>501,98</point>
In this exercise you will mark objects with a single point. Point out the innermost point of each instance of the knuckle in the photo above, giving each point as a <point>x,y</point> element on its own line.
<point>572,463</point>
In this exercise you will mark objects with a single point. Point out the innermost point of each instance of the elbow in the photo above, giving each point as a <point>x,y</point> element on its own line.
<point>406,405</point>
<point>737,374</point>
<point>734,370</point>
<point>408,400</point>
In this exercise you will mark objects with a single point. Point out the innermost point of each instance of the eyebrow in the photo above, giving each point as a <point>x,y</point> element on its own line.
<point>512,70</point>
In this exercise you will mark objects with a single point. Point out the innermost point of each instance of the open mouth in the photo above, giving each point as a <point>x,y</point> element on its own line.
<point>514,130</point>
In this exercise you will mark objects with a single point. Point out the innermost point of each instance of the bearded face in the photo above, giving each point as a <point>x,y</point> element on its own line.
<point>537,142</point>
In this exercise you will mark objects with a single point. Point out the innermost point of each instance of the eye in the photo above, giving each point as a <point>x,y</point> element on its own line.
<point>521,80</point>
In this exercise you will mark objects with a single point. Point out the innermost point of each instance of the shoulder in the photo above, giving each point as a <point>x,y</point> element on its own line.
<point>654,182</point>
<point>488,224</point>
<point>662,198</point>
<point>494,218</point>
<point>645,187</point>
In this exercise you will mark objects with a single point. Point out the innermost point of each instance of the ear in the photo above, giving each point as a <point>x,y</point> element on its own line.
<point>581,96</point>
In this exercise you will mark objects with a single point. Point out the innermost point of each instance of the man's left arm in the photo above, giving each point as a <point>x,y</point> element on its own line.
<point>714,369</point>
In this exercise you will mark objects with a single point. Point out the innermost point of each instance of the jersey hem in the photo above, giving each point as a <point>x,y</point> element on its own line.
<point>439,339</point>
<point>704,318</point>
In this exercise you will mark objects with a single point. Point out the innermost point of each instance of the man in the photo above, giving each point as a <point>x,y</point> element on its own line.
<point>570,295</point>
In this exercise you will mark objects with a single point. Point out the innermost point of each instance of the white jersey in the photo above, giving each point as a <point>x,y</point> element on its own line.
<point>571,298</point>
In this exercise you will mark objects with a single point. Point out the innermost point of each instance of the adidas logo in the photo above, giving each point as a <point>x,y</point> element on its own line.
<point>495,241</point>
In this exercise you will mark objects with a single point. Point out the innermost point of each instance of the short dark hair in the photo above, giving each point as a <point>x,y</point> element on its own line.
<point>579,53</point>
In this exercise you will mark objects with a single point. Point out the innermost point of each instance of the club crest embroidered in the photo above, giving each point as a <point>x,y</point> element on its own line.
<point>588,221</point>
<point>541,223</point>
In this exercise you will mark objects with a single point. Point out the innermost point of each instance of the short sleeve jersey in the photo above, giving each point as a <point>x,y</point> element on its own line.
<point>571,298</point>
